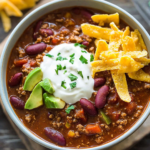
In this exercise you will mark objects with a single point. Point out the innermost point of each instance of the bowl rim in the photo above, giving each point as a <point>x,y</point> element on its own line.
<point>28,132</point>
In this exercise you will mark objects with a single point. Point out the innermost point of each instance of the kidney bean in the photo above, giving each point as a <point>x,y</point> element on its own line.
<point>16,79</point>
<point>20,62</point>
<point>88,107</point>
<point>55,136</point>
<point>76,10</point>
<point>86,13</point>
<point>100,99</point>
<point>46,32</point>
<point>131,107</point>
<point>17,102</point>
<point>35,48</point>
<point>86,43</point>
<point>99,82</point>
<point>36,29</point>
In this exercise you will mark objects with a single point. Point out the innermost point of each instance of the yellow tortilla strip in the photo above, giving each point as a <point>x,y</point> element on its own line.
<point>96,31</point>
<point>104,18</point>
<point>6,21</point>
<point>113,26</point>
<point>128,64</point>
<point>140,75</point>
<point>121,85</point>
<point>143,60</point>
<point>20,4</point>
<point>96,42</point>
<point>98,66</point>
<point>101,63</point>
<point>128,44</point>
<point>139,42</point>
<point>115,40</point>
<point>10,8</point>
<point>114,55</point>
<point>126,32</point>
<point>102,46</point>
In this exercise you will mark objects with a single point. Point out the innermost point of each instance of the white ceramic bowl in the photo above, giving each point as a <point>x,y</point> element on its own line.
<point>97,4</point>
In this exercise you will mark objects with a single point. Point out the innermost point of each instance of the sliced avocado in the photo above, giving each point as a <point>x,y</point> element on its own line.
<point>35,100</point>
<point>34,77</point>
<point>47,86</point>
<point>53,102</point>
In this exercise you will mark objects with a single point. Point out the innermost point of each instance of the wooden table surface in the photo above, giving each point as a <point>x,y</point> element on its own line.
<point>9,139</point>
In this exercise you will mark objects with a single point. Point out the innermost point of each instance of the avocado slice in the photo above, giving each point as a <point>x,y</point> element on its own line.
<point>47,86</point>
<point>34,77</point>
<point>35,100</point>
<point>52,101</point>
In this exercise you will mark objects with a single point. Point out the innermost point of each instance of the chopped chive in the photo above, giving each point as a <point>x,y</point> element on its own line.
<point>80,73</point>
<point>58,54</point>
<point>71,107</point>
<point>72,77</point>
<point>64,67</point>
<point>56,71</point>
<point>87,77</point>
<point>49,55</point>
<point>91,57</point>
<point>83,60</point>
<point>72,55</point>
<point>81,45</point>
<point>73,85</point>
<point>65,71</point>
<point>83,51</point>
<point>71,60</point>
<point>63,84</point>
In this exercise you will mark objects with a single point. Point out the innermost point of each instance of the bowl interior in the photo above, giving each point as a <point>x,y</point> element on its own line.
<point>97,4</point>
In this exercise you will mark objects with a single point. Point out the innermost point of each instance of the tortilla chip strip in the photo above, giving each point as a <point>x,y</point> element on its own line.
<point>115,40</point>
<point>96,31</point>
<point>139,42</point>
<point>113,26</point>
<point>104,18</point>
<point>126,32</point>
<point>128,44</point>
<point>102,46</point>
<point>121,85</point>
<point>6,21</point>
<point>143,60</point>
<point>10,8</point>
<point>20,4</point>
<point>140,75</point>
<point>114,55</point>
<point>128,64</point>
<point>98,66</point>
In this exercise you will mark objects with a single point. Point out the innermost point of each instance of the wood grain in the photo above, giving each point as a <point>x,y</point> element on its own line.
<point>6,139</point>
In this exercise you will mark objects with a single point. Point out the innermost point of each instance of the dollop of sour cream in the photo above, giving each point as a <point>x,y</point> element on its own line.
<point>69,69</point>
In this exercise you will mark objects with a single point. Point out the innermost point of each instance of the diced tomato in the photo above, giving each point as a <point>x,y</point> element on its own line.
<point>48,48</point>
<point>55,41</point>
<point>132,97</point>
<point>20,62</point>
<point>113,98</point>
<point>80,115</point>
<point>93,129</point>
<point>33,63</point>
<point>115,115</point>
<point>27,65</point>
<point>131,107</point>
